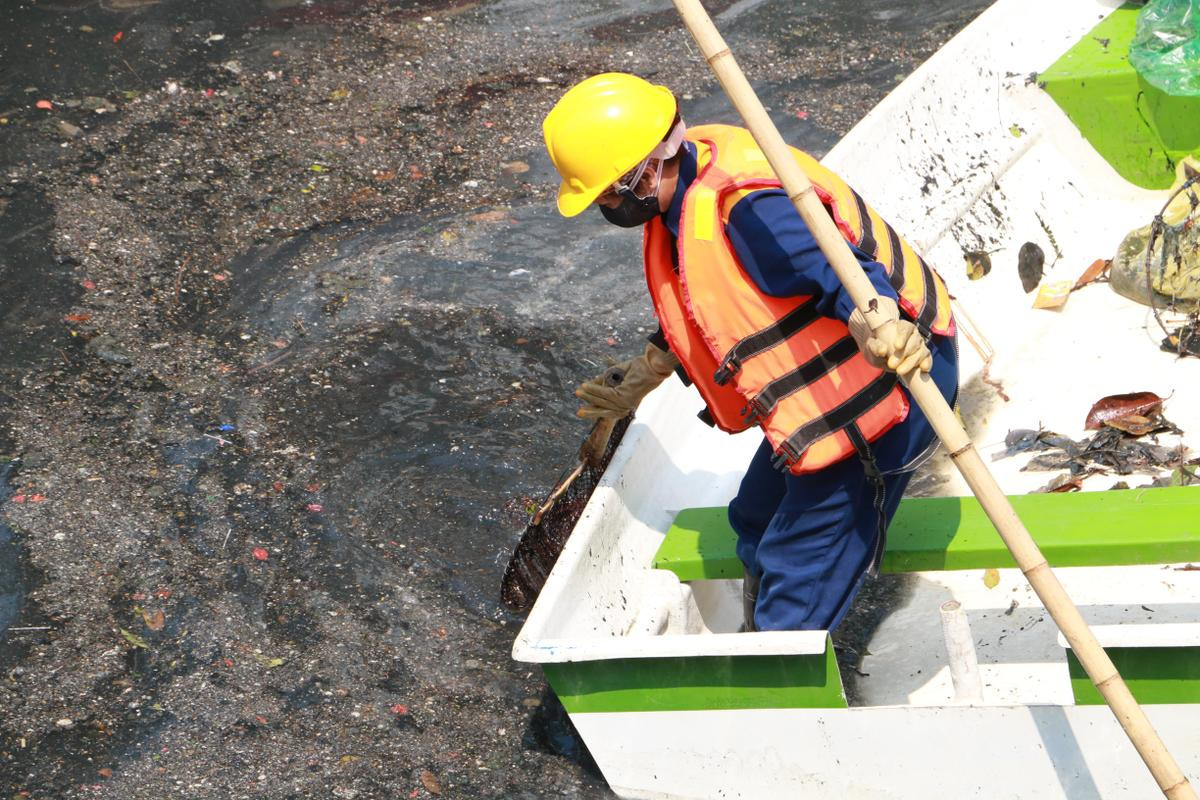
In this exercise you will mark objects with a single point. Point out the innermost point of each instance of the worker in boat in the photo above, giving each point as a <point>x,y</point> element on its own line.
<point>754,315</point>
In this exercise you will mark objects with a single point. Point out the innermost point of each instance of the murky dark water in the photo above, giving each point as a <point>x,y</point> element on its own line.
<point>403,379</point>
<point>11,591</point>
<point>447,331</point>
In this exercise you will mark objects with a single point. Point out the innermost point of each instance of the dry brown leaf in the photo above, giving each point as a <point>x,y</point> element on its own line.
<point>430,782</point>
<point>1115,406</point>
<point>1092,273</point>
<point>1136,424</point>
<point>154,621</point>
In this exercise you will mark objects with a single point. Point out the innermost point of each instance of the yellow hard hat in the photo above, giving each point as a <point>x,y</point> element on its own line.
<point>602,128</point>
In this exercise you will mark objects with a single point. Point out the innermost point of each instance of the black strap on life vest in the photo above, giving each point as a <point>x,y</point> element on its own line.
<point>791,449</point>
<point>804,375</point>
<point>929,312</point>
<point>899,260</point>
<point>761,341</point>
<point>866,241</point>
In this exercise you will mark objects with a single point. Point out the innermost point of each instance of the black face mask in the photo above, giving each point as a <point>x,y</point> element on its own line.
<point>633,211</point>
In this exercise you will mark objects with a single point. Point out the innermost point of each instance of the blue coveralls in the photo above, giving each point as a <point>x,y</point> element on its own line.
<point>813,538</point>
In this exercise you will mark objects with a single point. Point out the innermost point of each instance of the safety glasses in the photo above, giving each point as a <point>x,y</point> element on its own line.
<point>627,184</point>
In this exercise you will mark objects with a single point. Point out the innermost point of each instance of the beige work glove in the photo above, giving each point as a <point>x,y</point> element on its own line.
<point>619,390</point>
<point>896,346</point>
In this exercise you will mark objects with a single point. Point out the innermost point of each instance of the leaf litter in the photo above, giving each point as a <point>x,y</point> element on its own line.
<point>1121,422</point>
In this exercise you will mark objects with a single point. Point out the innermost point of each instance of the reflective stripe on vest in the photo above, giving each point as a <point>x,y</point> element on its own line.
<point>768,360</point>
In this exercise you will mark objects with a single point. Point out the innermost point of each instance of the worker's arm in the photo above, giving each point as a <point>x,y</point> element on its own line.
<point>783,258</point>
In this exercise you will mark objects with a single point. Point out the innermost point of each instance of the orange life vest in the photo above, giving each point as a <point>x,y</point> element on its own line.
<point>773,361</point>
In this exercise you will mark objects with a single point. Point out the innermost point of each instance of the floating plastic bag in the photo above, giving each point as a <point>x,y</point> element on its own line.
<point>1173,263</point>
<point>1166,48</point>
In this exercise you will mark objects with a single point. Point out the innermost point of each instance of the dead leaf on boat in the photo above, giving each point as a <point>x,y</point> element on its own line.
<point>1184,476</point>
<point>1030,261</point>
<point>1138,425</point>
<point>991,578</point>
<point>1063,483</point>
<point>979,263</point>
<point>1116,406</point>
<point>1022,440</point>
<point>1108,450</point>
<point>1093,273</point>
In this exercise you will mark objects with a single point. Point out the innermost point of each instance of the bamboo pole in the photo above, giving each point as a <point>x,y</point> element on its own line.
<point>1095,661</point>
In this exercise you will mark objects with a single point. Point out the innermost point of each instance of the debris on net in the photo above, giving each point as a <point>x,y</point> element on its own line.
<point>543,541</point>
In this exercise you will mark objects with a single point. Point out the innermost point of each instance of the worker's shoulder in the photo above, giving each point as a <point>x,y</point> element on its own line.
<point>761,205</point>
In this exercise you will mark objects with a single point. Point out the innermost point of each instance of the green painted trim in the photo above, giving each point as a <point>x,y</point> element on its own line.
<point>700,545</point>
<point>1083,529</point>
<point>698,683</point>
<point>1141,131</point>
<point>1153,674</point>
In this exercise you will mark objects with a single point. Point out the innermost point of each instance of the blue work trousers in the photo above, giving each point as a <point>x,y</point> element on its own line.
<point>812,538</point>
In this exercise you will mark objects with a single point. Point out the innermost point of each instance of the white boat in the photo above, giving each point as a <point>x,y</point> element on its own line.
<point>636,627</point>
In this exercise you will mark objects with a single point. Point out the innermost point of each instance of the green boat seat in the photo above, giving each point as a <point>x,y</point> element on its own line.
<point>1084,529</point>
<point>1160,663</point>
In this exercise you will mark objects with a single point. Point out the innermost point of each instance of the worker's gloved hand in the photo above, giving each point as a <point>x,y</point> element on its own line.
<point>618,391</point>
<point>896,346</point>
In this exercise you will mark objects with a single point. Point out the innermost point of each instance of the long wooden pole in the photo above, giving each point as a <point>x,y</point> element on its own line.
<point>1095,661</point>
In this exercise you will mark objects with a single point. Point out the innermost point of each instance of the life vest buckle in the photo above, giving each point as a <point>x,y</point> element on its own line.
<point>729,367</point>
<point>754,412</point>
<point>785,457</point>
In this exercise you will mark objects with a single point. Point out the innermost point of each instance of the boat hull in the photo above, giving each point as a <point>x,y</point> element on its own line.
<point>1018,752</point>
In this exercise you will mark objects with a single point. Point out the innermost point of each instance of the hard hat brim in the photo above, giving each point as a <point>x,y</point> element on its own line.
<point>571,203</point>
